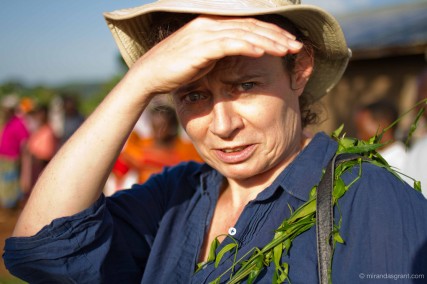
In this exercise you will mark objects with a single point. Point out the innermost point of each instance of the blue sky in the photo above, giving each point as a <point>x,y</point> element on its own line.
<point>54,42</point>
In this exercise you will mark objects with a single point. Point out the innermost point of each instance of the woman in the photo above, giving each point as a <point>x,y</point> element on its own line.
<point>13,135</point>
<point>240,85</point>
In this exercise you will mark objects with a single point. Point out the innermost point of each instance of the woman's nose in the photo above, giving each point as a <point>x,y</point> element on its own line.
<point>226,121</point>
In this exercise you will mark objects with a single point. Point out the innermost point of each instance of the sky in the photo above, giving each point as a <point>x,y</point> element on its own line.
<point>55,42</point>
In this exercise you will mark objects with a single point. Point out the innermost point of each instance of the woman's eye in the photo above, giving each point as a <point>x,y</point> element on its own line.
<point>193,97</point>
<point>247,86</point>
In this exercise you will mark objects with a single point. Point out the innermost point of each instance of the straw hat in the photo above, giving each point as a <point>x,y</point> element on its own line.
<point>130,27</point>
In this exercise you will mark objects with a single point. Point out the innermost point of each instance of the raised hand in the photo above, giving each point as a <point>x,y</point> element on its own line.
<point>193,50</point>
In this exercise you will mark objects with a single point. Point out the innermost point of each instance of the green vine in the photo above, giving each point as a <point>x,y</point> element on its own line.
<point>304,218</point>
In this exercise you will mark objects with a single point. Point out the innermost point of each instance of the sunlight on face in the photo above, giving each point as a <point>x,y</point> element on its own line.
<point>242,117</point>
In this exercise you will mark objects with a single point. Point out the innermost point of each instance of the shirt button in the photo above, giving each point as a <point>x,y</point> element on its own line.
<point>232,231</point>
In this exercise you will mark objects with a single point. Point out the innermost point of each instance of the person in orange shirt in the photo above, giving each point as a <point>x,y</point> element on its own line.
<point>39,150</point>
<point>165,147</point>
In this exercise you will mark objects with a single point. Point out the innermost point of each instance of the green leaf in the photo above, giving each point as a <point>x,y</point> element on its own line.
<point>344,143</point>
<point>283,275</point>
<point>313,192</point>
<point>304,210</point>
<point>366,148</point>
<point>256,270</point>
<point>224,250</point>
<point>347,142</point>
<point>339,189</point>
<point>342,168</point>
<point>212,250</point>
<point>414,125</point>
<point>211,256</point>
<point>277,254</point>
<point>287,245</point>
<point>338,131</point>
<point>216,281</point>
<point>268,257</point>
<point>290,208</point>
<point>253,275</point>
<point>417,185</point>
<point>337,237</point>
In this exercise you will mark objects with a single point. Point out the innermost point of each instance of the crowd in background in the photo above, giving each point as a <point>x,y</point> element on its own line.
<point>31,133</point>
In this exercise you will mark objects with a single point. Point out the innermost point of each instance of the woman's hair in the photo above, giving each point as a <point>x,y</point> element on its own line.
<point>168,23</point>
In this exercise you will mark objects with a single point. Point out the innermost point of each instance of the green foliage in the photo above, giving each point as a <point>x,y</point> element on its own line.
<point>91,102</point>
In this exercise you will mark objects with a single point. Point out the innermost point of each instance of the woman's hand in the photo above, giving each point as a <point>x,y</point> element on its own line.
<point>193,50</point>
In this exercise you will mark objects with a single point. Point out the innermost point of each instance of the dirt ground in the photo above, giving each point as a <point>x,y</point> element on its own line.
<point>7,222</point>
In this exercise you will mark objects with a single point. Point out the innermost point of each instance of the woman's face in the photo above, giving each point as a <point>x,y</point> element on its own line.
<point>243,117</point>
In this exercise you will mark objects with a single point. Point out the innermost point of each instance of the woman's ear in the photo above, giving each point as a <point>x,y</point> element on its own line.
<point>304,64</point>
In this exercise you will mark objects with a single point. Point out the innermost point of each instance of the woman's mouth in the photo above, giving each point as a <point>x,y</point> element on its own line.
<point>234,155</point>
<point>238,149</point>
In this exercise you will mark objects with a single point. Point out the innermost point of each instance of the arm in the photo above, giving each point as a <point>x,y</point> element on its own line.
<point>74,178</point>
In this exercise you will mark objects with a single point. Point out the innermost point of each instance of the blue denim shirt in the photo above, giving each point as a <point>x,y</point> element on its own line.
<point>153,232</point>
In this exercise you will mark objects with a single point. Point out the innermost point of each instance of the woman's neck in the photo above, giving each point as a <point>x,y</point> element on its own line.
<point>245,190</point>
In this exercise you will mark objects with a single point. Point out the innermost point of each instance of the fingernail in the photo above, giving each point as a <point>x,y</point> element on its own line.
<point>290,36</point>
<point>281,47</point>
<point>295,44</point>
<point>258,50</point>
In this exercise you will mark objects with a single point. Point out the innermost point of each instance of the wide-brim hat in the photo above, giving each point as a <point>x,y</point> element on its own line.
<point>130,28</point>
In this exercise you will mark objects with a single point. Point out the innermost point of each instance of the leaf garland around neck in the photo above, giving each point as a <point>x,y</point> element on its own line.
<point>250,265</point>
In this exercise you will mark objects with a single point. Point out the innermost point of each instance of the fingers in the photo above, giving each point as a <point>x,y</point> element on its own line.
<point>233,41</point>
<point>252,33</point>
<point>195,48</point>
<point>264,28</point>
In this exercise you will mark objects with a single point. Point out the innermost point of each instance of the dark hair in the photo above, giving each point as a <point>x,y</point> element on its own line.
<point>166,111</point>
<point>382,110</point>
<point>168,23</point>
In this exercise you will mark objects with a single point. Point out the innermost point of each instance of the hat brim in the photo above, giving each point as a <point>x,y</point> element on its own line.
<point>130,27</point>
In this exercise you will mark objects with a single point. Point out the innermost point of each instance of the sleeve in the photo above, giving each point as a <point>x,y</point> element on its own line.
<point>138,213</point>
<point>384,226</point>
<point>68,250</point>
<point>107,243</point>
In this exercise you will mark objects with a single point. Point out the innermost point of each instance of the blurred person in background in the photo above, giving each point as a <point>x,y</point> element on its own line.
<point>164,146</point>
<point>72,117</point>
<point>416,162</point>
<point>39,149</point>
<point>371,119</point>
<point>13,135</point>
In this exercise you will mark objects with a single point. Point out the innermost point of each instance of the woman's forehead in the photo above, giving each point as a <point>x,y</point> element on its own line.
<point>243,66</point>
<point>236,69</point>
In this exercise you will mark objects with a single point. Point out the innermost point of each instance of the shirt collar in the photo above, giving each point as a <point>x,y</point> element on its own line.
<point>297,179</point>
<point>306,169</point>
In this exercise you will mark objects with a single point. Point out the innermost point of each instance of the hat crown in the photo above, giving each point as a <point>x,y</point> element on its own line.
<point>130,27</point>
